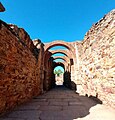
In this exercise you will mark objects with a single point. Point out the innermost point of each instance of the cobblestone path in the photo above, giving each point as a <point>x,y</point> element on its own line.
<point>61,104</point>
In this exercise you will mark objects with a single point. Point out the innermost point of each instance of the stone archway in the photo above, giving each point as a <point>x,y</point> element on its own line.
<point>66,59</point>
<point>65,52</point>
<point>59,43</point>
<point>70,60</point>
<point>59,78</point>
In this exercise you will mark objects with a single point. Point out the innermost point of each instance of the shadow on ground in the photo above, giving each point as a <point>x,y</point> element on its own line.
<point>58,104</point>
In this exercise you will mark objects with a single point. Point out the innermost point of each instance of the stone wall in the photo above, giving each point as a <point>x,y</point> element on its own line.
<point>24,38</point>
<point>97,60</point>
<point>40,66</point>
<point>49,74</point>
<point>19,68</point>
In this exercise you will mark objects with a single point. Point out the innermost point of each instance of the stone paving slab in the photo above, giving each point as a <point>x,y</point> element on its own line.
<point>55,100</point>
<point>11,119</point>
<point>50,108</point>
<point>75,103</point>
<point>71,100</point>
<point>41,103</point>
<point>59,115</point>
<point>27,107</point>
<point>40,100</point>
<point>25,114</point>
<point>61,104</point>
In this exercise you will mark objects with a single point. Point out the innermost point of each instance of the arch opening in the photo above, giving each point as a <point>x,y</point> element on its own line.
<point>59,60</point>
<point>64,52</point>
<point>59,75</point>
<point>58,47</point>
<point>58,54</point>
<point>58,43</point>
<point>66,75</point>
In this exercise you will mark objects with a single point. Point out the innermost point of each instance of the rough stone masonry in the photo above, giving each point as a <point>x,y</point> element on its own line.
<point>23,74</point>
<point>97,60</point>
<point>19,67</point>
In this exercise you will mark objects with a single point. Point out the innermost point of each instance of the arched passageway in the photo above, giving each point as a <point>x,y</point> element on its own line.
<point>68,64</point>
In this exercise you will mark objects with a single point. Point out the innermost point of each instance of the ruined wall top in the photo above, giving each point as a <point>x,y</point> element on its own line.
<point>100,27</point>
<point>38,43</point>
<point>2,9</point>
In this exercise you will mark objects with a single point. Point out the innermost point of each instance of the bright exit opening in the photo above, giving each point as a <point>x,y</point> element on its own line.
<point>59,72</point>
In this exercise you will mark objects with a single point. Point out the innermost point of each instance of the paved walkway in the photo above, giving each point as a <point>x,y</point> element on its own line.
<point>61,104</point>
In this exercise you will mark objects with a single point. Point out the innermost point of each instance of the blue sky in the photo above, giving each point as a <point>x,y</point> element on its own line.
<point>50,20</point>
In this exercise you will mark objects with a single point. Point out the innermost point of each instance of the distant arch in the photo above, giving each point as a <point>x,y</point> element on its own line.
<point>59,64</point>
<point>59,43</point>
<point>66,59</point>
<point>65,52</point>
